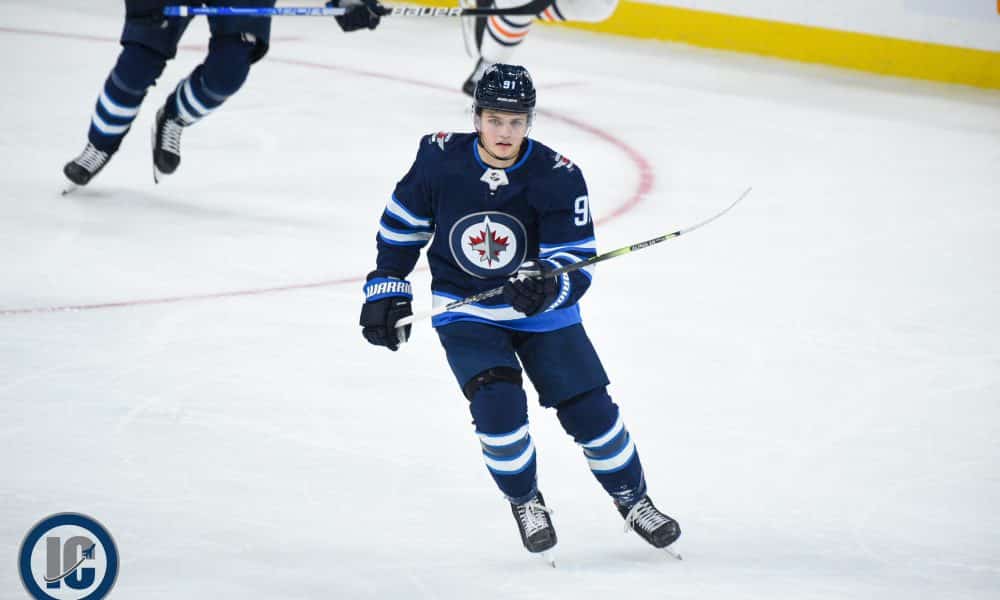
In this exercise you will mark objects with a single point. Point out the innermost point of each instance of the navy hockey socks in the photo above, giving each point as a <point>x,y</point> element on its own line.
<point>137,69</point>
<point>221,75</point>
<point>595,423</point>
<point>500,412</point>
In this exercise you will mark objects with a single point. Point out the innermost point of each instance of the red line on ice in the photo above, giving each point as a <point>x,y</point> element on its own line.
<point>642,189</point>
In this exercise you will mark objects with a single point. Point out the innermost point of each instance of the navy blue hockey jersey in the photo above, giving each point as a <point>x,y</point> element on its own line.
<point>482,223</point>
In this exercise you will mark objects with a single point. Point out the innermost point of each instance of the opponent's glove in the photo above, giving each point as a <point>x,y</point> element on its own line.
<point>360,13</point>
<point>529,291</point>
<point>387,300</point>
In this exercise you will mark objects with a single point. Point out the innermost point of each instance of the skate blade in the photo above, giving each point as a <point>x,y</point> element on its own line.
<point>673,553</point>
<point>152,147</point>
<point>548,557</point>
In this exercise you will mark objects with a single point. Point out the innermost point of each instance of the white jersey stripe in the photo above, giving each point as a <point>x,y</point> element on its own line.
<point>400,213</point>
<point>500,313</point>
<point>393,236</point>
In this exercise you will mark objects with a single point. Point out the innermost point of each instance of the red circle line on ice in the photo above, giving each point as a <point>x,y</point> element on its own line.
<point>642,189</point>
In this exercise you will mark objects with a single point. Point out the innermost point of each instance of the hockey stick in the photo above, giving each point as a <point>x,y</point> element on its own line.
<point>569,268</point>
<point>531,8</point>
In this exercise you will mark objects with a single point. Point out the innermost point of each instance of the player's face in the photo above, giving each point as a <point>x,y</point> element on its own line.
<point>502,132</point>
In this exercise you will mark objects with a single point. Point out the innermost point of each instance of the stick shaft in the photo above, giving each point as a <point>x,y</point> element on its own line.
<point>181,11</point>
<point>572,267</point>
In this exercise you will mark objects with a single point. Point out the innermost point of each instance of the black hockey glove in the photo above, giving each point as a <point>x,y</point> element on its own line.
<point>387,300</point>
<point>360,13</point>
<point>529,291</point>
<point>146,11</point>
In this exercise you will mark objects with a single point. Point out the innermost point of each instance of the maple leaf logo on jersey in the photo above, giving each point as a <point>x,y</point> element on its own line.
<point>562,161</point>
<point>440,138</point>
<point>488,244</point>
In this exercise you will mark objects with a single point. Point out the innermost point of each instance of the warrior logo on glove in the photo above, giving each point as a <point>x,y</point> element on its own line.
<point>488,244</point>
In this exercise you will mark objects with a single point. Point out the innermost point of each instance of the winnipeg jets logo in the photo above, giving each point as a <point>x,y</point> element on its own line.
<point>494,178</point>
<point>488,244</point>
<point>562,161</point>
<point>440,138</point>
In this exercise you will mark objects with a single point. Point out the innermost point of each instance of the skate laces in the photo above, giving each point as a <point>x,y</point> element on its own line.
<point>91,158</point>
<point>645,516</point>
<point>171,136</point>
<point>532,516</point>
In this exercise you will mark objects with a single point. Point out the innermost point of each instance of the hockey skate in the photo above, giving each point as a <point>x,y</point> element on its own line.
<point>166,145</point>
<point>535,526</point>
<point>469,87</point>
<point>652,525</point>
<point>83,168</point>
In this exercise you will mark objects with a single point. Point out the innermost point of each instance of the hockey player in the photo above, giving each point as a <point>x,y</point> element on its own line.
<point>148,41</point>
<point>502,209</point>
<point>493,39</point>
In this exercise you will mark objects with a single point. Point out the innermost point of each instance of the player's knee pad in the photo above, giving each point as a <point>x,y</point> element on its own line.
<point>491,375</point>
<point>227,65</point>
<point>138,68</point>
<point>497,400</point>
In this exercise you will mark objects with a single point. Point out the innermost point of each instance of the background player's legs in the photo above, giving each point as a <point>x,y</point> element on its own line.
<point>221,75</point>
<point>137,69</point>
<point>498,36</point>
<point>588,11</point>
<point>236,43</point>
<point>147,44</point>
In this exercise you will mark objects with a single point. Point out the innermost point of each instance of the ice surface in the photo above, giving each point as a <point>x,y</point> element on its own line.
<point>813,381</point>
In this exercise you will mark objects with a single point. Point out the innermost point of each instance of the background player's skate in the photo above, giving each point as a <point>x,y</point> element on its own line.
<point>166,138</point>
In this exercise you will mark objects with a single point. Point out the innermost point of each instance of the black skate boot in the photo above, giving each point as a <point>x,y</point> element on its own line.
<point>652,525</point>
<point>469,87</point>
<point>166,145</point>
<point>83,168</point>
<point>534,524</point>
